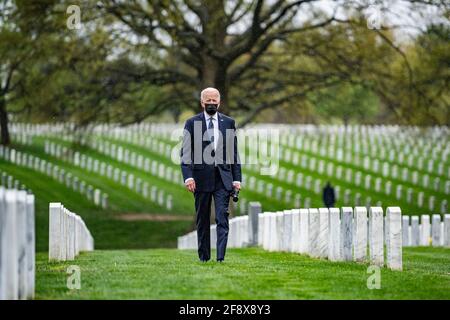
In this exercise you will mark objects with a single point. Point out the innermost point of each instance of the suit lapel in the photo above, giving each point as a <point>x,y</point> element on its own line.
<point>221,124</point>
<point>201,117</point>
<point>222,137</point>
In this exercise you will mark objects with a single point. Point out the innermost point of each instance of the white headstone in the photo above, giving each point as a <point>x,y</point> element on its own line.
<point>272,234</point>
<point>304,231</point>
<point>420,196</point>
<point>323,239</point>
<point>444,207</point>
<point>287,231</point>
<point>431,203</point>
<point>405,231</point>
<point>376,236</point>
<point>31,247</point>
<point>346,233</point>
<point>169,202</point>
<point>260,234</point>
<point>279,230</point>
<point>97,198</point>
<point>313,232</point>
<point>161,197</point>
<point>64,234</point>
<point>104,200</point>
<point>55,241</point>
<point>394,243</point>
<point>21,238</point>
<point>415,231</point>
<point>334,249</point>
<point>425,230</point>
<point>254,211</point>
<point>446,233</point>
<point>436,230</point>
<point>295,238</point>
<point>10,246</point>
<point>360,236</point>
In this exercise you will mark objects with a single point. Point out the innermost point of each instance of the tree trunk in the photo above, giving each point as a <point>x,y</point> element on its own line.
<point>4,136</point>
<point>214,71</point>
<point>215,75</point>
<point>222,85</point>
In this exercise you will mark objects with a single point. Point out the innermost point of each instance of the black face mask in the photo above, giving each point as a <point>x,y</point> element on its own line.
<point>211,109</point>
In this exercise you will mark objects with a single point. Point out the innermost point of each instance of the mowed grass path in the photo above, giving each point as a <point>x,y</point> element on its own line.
<point>247,274</point>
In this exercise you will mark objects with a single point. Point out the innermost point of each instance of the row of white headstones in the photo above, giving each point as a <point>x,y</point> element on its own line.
<point>122,154</point>
<point>9,182</point>
<point>130,135</point>
<point>337,234</point>
<point>288,175</point>
<point>119,153</point>
<point>436,233</point>
<point>362,138</point>
<point>376,141</point>
<point>17,244</point>
<point>133,134</point>
<point>156,195</point>
<point>90,164</point>
<point>257,185</point>
<point>380,184</point>
<point>68,234</point>
<point>370,140</point>
<point>313,163</point>
<point>43,166</point>
<point>371,156</point>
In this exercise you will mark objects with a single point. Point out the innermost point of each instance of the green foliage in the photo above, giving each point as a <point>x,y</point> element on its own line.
<point>348,103</point>
<point>430,61</point>
<point>132,61</point>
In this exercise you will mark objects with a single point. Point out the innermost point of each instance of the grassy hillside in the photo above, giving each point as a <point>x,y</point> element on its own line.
<point>108,231</point>
<point>246,274</point>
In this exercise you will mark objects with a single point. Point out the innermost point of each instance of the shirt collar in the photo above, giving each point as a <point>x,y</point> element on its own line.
<point>207,116</point>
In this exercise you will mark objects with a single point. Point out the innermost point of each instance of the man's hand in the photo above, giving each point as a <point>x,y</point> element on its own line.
<point>190,185</point>
<point>237,185</point>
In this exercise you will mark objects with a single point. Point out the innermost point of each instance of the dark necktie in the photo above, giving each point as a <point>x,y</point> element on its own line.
<point>211,135</point>
<point>211,130</point>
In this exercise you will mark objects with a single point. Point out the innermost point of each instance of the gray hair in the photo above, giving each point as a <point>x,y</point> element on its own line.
<point>208,89</point>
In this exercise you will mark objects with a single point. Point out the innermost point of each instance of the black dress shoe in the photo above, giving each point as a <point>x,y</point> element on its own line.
<point>203,260</point>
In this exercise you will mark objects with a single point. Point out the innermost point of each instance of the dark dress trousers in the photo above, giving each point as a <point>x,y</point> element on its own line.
<point>214,172</point>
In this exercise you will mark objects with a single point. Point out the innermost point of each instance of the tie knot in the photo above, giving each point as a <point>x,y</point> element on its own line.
<point>211,124</point>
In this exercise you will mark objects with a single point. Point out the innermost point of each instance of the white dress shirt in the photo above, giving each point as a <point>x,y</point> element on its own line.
<point>216,126</point>
<point>216,135</point>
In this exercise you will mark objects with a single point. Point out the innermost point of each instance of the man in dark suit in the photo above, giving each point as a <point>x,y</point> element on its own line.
<point>211,168</point>
<point>328,196</point>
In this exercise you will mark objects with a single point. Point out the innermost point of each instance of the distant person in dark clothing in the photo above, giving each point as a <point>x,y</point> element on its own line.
<point>328,196</point>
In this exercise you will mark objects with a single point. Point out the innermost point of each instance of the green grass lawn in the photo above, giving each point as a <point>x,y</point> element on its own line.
<point>246,274</point>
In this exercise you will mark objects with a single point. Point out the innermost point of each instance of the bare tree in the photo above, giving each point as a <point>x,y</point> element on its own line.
<point>205,38</point>
<point>221,43</point>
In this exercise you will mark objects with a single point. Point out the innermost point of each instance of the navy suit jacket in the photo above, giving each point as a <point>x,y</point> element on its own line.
<point>198,158</point>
